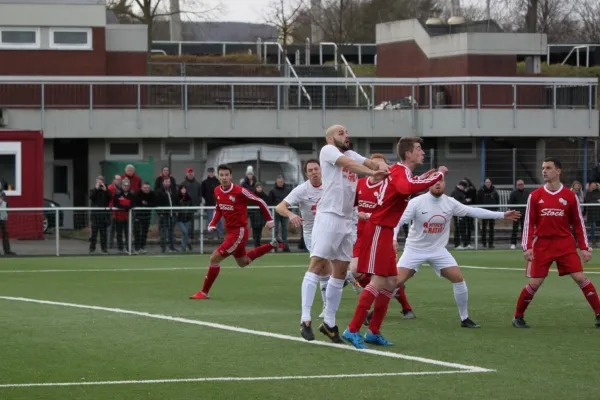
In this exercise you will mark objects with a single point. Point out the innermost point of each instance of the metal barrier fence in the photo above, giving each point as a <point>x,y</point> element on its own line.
<point>43,231</point>
<point>458,93</point>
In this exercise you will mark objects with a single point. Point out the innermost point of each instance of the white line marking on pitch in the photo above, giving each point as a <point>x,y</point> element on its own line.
<point>24,271</point>
<point>235,379</point>
<point>254,332</point>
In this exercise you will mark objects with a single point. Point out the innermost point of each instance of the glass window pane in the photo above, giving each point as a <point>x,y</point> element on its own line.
<point>178,148</point>
<point>124,148</point>
<point>75,38</point>
<point>8,175</point>
<point>460,147</point>
<point>18,37</point>
<point>61,179</point>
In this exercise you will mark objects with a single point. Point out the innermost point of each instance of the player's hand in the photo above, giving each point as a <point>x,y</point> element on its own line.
<point>380,174</point>
<point>363,216</point>
<point>528,255</point>
<point>296,221</point>
<point>211,228</point>
<point>270,225</point>
<point>427,174</point>
<point>383,167</point>
<point>586,255</point>
<point>443,170</point>
<point>512,215</point>
<point>395,244</point>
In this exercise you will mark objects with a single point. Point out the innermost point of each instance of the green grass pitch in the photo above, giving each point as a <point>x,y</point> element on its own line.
<point>136,335</point>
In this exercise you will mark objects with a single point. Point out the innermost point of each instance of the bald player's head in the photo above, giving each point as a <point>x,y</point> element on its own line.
<point>338,136</point>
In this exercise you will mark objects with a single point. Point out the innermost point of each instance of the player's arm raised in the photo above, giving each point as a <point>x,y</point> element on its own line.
<point>261,204</point>
<point>578,224</point>
<point>409,185</point>
<point>355,163</point>
<point>460,210</point>
<point>283,208</point>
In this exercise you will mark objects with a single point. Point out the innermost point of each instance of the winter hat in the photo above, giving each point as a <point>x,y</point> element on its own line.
<point>249,170</point>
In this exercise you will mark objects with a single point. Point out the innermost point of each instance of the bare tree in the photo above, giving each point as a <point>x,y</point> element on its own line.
<point>149,11</point>
<point>284,15</point>
<point>588,12</point>
<point>338,20</point>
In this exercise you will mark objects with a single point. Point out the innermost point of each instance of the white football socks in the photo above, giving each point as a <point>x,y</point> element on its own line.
<point>323,280</point>
<point>309,288</point>
<point>461,295</point>
<point>333,296</point>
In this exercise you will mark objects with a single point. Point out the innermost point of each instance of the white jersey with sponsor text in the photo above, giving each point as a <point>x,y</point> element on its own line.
<point>431,219</point>
<point>339,183</point>
<point>305,196</point>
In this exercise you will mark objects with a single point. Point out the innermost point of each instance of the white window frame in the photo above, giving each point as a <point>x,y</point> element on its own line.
<point>62,46</point>
<point>14,149</point>
<point>452,156</point>
<point>177,157</point>
<point>124,157</point>
<point>20,46</point>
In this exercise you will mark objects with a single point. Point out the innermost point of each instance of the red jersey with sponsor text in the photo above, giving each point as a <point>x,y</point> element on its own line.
<point>550,215</point>
<point>366,199</point>
<point>232,204</point>
<point>395,192</point>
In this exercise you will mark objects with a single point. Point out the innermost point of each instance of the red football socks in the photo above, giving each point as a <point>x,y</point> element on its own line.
<point>365,301</point>
<point>524,299</point>
<point>381,306</point>
<point>589,291</point>
<point>259,251</point>
<point>401,297</point>
<point>211,276</point>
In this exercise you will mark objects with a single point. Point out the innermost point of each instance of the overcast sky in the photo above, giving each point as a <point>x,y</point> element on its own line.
<point>244,10</point>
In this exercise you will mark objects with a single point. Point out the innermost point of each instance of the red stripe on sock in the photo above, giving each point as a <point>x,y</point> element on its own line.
<point>591,295</point>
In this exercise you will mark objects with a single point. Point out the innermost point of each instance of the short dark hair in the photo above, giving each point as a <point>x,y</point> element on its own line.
<point>405,144</point>
<point>310,160</point>
<point>224,167</point>
<point>555,161</point>
<point>146,183</point>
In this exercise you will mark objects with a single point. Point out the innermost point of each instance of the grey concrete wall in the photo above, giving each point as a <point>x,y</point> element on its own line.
<point>224,124</point>
<point>59,15</point>
<point>127,38</point>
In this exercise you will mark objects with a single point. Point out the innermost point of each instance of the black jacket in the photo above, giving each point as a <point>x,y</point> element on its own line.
<point>158,183</point>
<point>258,219</point>
<point>162,200</point>
<point>459,195</point>
<point>470,193</point>
<point>487,196</point>
<point>518,197</point>
<point>250,185</point>
<point>100,198</point>
<point>144,200</point>
<point>277,194</point>
<point>185,215</point>
<point>207,191</point>
<point>593,212</point>
<point>194,189</point>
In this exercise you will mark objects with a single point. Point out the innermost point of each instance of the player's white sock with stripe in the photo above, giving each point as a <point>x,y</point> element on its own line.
<point>461,295</point>
<point>309,288</point>
<point>333,296</point>
<point>323,280</point>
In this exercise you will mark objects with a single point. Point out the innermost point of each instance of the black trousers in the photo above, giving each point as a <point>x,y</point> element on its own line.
<point>515,229</point>
<point>99,226</point>
<point>122,230</point>
<point>487,232</point>
<point>141,228</point>
<point>5,242</point>
<point>460,231</point>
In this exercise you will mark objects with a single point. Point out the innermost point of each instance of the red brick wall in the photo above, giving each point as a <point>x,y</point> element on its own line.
<point>407,60</point>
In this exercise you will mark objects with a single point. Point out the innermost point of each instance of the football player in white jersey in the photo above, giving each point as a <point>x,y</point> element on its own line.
<point>332,230</point>
<point>431,214</point>
<point>305,196</point>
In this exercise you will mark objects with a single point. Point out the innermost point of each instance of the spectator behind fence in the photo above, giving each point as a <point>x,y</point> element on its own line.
<point>135,181</point>
<point>144,198</point>
<point>593,213</point>
<point>3,184</point>
<point>577,188</point>
<point>249,182</point>
<point>114,188</point>
<point>471,200</point>
<point>123,202</point>
<point>165,174</point>
<point>518,196</point>
<point>184,218</point>
<point>487,195</point>
<point>194,191</point>
<point>3,223</point>
<point>166,218</point>
<point>207,188</point>
<point>276,196</point>
<point>257,219</point>
<point>460,223</point>
<point>100,197</point>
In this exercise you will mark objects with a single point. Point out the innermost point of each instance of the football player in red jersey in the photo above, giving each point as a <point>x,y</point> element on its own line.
<point>232,204</point>
<point>367,192</point>
<point>377,254</point>
<point>547,238</point>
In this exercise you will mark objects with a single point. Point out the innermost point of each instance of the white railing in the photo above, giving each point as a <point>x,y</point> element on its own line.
<point>26,224</point>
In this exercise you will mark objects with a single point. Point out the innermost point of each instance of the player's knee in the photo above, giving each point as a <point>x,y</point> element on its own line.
<point>242,262</point>
<point>578,277</point>
<point>535,283</point>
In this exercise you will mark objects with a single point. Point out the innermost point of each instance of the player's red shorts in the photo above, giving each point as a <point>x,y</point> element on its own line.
<point>546,251</point>
<point>234,243</point>
<point>356,248</point>
<point>377,255</point>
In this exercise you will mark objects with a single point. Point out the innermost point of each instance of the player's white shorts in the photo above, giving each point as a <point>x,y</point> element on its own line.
<point>332,237</point>
<point>438,259</point>
<point>307,241</point>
